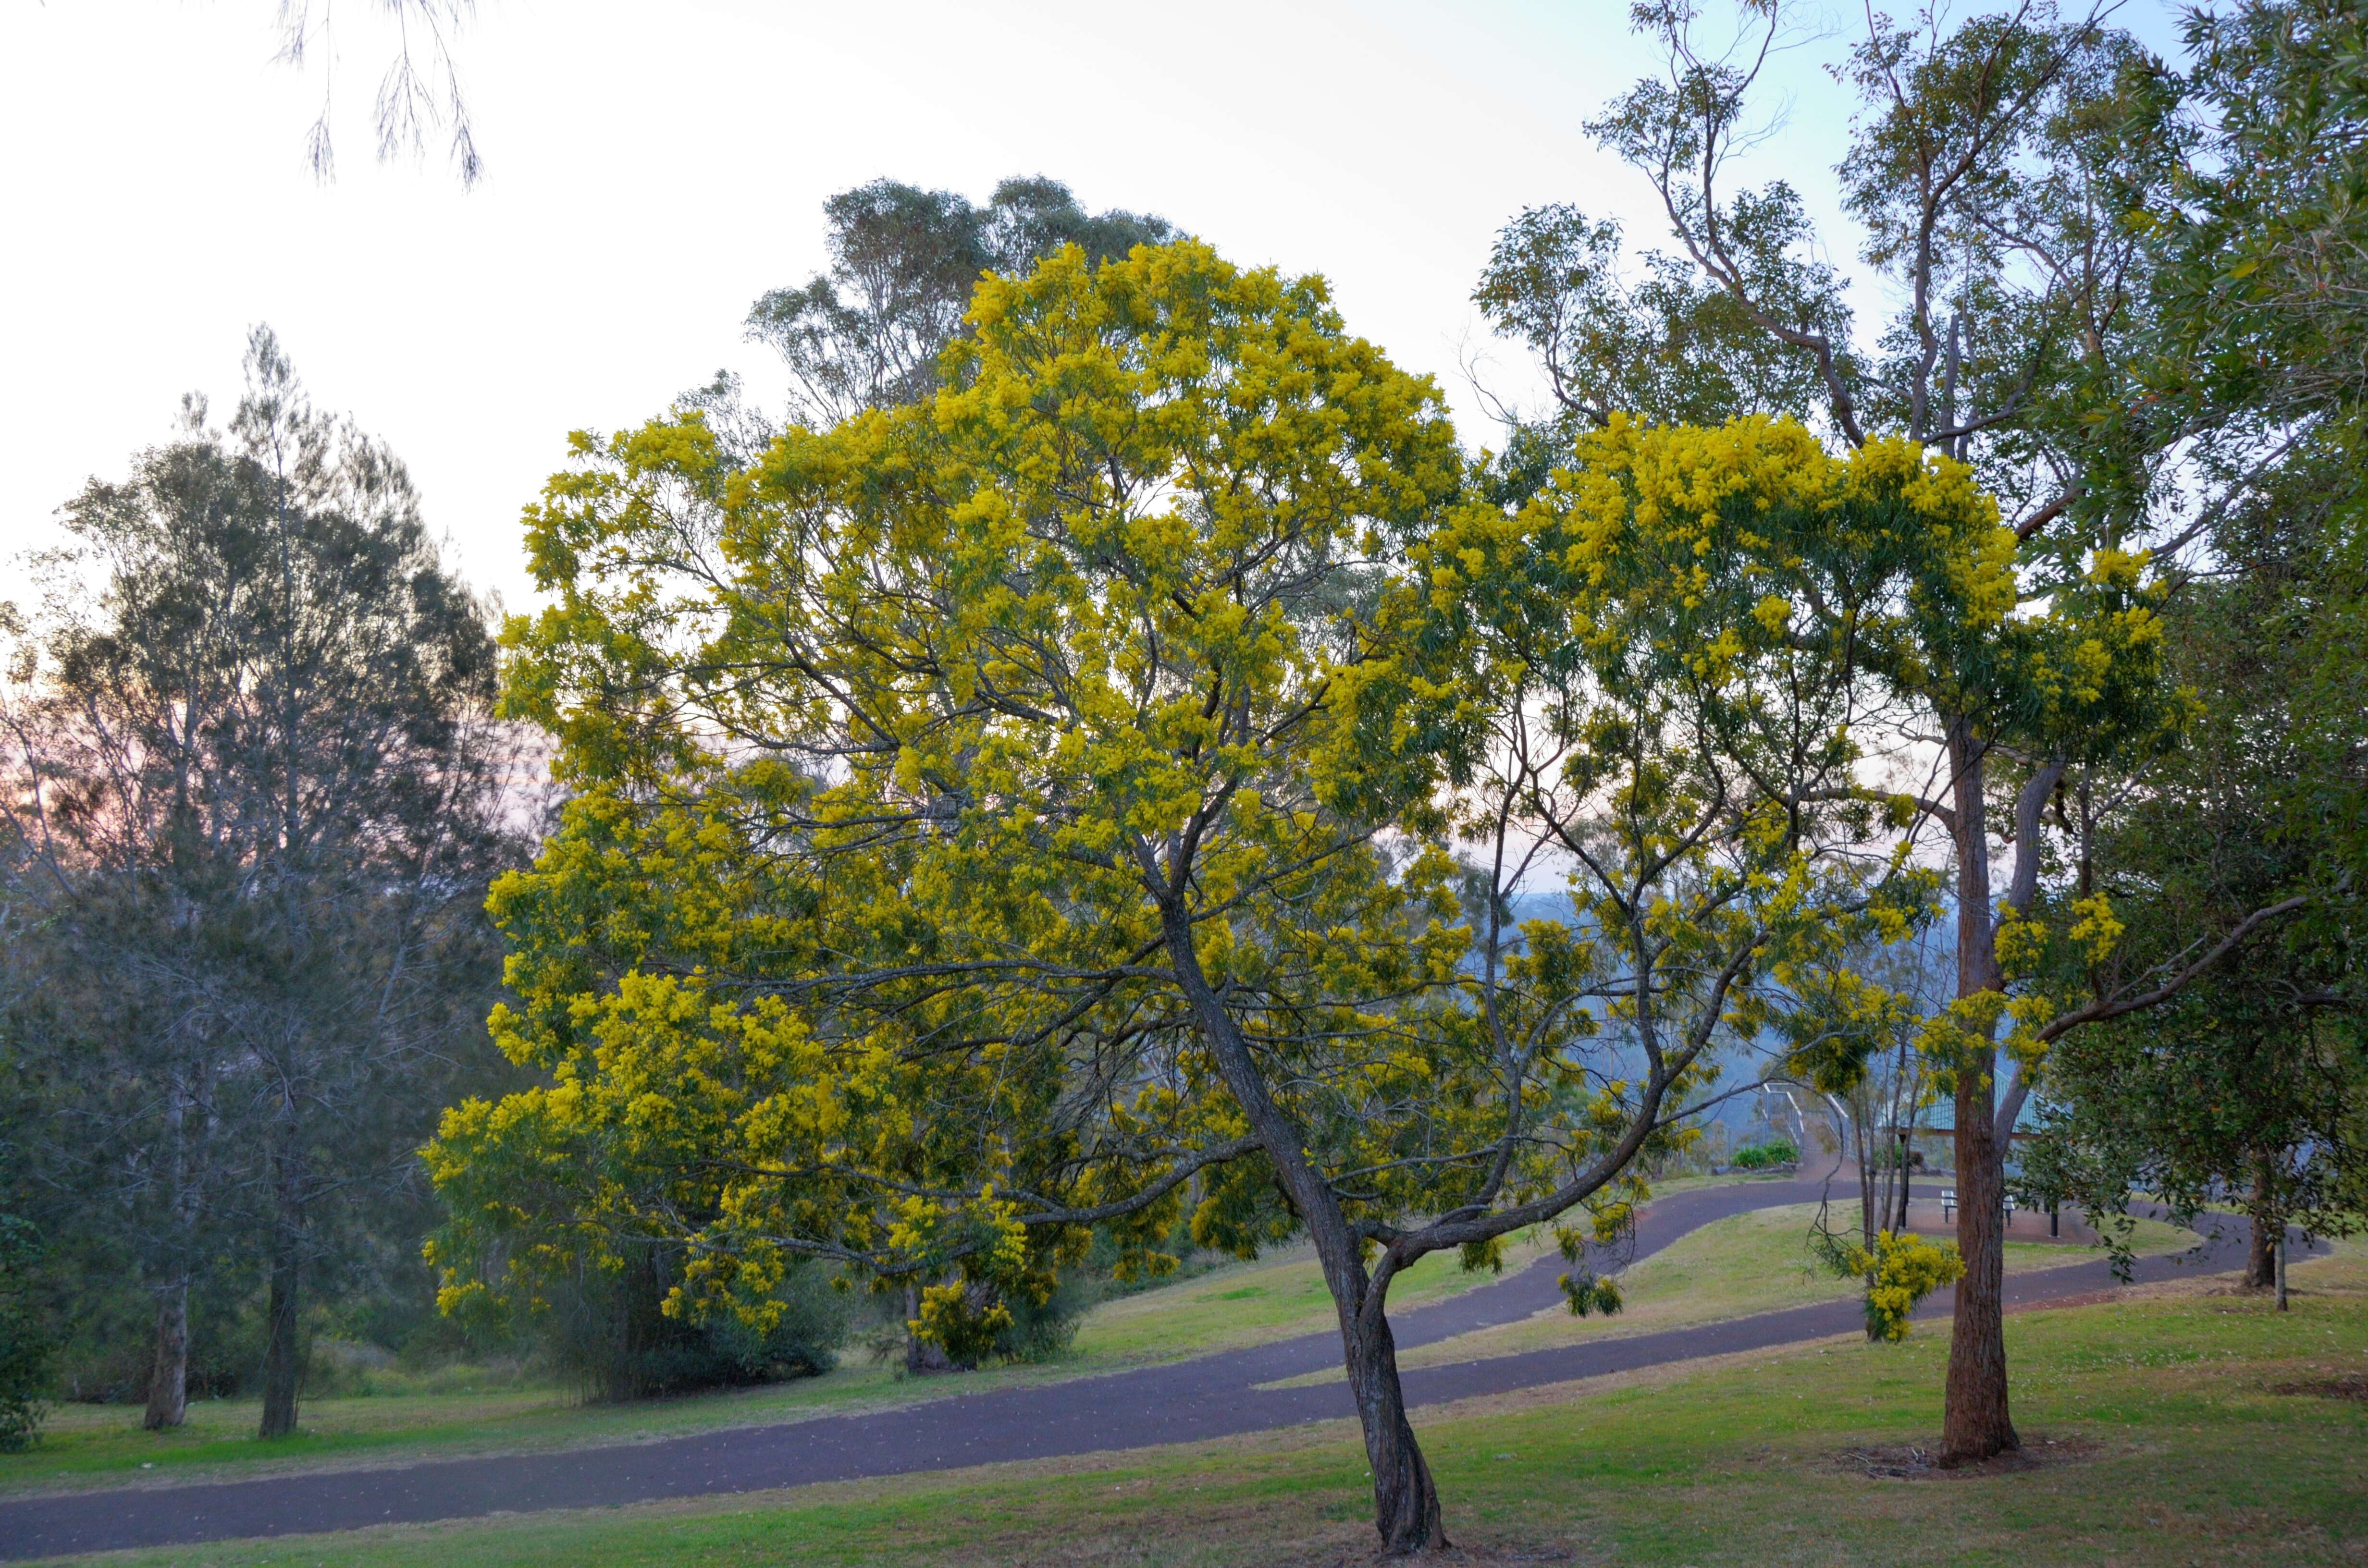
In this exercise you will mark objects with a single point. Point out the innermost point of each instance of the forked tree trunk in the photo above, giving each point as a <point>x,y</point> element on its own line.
<point>1974,1424</point>
<point>280,1348</point>
<point>168,1371</point>
<point>2261,1256</point>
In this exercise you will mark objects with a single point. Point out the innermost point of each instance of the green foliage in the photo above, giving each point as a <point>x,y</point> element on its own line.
<point>1765,1156</point>
<point>2252,1080</point>
<point>27,1346</point>
<point>893,990</point>
<point>603,1326</point>
<point>2261,231</point>
<point>903,261</point>
<point>1668,344</point>
<point>253,798</point>
<point>1584,1293</point>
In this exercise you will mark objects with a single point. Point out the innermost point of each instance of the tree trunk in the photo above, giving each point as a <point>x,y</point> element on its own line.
<point>1405,1501</point>
<point>922,1357</point>
<point>168,1372</point>
<point>168,1369</point>
<point>1872,1215</point>
<point>2261,1256</point>
<point>280,1348</point>
<point>1974,1424</point>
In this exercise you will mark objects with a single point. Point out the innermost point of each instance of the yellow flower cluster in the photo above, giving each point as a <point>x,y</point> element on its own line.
<point>1902,1270</point>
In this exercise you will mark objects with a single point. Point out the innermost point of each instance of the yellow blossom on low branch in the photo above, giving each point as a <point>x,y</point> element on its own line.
<point>1901,1271</point>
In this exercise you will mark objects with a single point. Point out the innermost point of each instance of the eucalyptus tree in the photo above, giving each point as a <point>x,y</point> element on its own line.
<point>259,794</point>
<point>867,333</point>
<point>1992,172</point>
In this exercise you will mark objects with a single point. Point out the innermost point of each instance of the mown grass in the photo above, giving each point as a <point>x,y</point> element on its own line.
<point>1257,1302</point>
<point>1233,1305</point>
<point>2159,1441</point>
<point>1750,1263</point>
<point>1726,1269</point>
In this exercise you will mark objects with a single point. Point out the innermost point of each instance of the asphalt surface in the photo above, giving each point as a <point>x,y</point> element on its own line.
<point>1211,1396</point>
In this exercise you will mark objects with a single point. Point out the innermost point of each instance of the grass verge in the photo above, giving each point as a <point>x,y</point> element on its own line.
<point>1239,1305</point>
<point>2157,1433</point>
<point>1733,1267</point>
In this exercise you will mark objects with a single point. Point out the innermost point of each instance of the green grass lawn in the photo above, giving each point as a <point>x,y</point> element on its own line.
<point>1236,1305</point>
<point>1750,1263</point>
<point>2159,1433</point>
<point>1256,1302</point>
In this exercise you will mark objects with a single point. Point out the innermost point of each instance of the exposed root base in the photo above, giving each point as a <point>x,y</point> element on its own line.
<point>1501,1555</point>
<point>1910,1461</point>
<point>2349,1385</point>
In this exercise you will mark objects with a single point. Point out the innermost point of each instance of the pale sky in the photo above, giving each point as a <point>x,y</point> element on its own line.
<point>652,168</point>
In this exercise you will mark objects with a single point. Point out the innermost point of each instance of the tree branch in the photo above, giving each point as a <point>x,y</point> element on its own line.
<point>2099,1011</point>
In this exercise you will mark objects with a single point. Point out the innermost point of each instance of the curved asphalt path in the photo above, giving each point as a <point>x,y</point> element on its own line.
<point>1211,1396</point>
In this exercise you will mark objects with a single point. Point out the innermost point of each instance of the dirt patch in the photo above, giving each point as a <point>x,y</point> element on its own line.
<point>1479,1554</point>
<point>1912,1461</point>
<point>2349,1385</point>
<point>2085,1299</point>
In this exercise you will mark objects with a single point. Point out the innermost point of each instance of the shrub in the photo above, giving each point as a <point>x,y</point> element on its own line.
<point>26,1345</point>
<point>1043,1331</point>
<point>610,1331</point>
<point>1765,1156</point>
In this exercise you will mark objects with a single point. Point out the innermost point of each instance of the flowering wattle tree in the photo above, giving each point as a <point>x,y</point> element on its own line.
<point>1026,811</point>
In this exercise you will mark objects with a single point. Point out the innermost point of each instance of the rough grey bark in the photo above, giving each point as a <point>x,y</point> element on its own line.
<point>168,1372</point>
<point>281,1350</point>
<point>282,1354</point>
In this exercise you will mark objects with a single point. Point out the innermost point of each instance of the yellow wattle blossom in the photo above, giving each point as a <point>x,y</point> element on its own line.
<point>1902,1270</point>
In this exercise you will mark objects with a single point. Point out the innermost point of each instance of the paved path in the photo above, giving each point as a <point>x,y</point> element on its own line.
<point>1211,1396</point>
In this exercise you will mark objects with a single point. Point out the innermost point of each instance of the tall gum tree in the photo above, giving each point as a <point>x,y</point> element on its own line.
<point>1993,168</point>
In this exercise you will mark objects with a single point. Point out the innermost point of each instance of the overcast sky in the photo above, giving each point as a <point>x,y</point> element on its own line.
<point>652,167</point>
